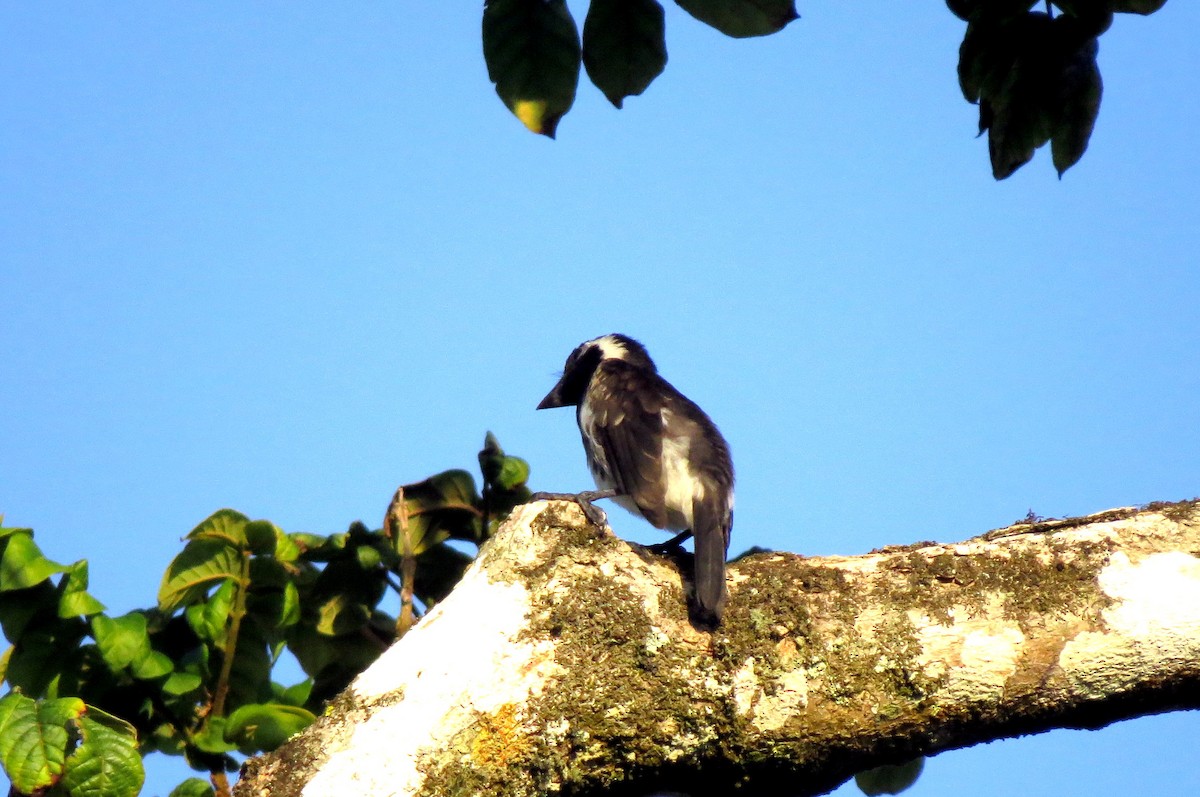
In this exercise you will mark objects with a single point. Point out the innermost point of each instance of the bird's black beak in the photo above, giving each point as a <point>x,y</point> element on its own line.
<point>553,398</point>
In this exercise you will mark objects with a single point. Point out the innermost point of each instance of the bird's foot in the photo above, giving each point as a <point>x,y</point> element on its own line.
<point>671,545</point>
<point>594,513</point>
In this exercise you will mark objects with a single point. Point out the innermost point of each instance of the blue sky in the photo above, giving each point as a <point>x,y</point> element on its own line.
<point>285,257</point>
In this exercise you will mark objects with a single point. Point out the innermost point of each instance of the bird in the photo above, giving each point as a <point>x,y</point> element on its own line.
<point>656,453</point>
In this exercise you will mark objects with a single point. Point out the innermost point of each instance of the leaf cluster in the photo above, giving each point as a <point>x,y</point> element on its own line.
<point>1034,74</point>
<point>90,693</point>
<point>534,51</point>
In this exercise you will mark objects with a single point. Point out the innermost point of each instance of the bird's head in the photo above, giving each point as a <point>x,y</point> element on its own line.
<point>583,362</point>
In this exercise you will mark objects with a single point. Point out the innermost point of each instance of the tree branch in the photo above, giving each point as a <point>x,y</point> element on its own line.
<point>564,660</point>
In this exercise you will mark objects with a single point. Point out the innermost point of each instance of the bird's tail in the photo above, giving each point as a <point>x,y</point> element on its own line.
<point>710,527</point>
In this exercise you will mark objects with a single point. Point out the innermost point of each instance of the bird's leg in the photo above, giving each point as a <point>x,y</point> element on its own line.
<point>584,499</point>
<point>671,544</point>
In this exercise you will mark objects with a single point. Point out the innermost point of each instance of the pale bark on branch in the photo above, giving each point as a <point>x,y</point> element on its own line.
<point>564,662</point>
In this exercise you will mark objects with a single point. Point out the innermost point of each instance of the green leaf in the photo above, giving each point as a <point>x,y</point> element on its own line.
<point>44,655</point>
<point>151,665</point>
<point>202,564</point>
<point>500,471</point>
<point>180,683</point>
<point>1095,17</point>
<point>211,738</point>
<point>891,778</point>
<point>210,619</point>
<point>287,549</point>
<point>451,488</point>
<point>1137,6</point>
<point>294,695</point>
<point>439,569</point>
<point>250,678</point>
<point>8,531</point>
<point>262,536</point>
<point>275,606</point>
<point>107,761</point>
<point>341,614</point>
<point>225,524</point>
<point>264,726</point>
<point>34,736</point>
<point>22,563</point>
<point>1014,103</point>
<point>193,787</point>
<point>304,542</point>
<point>368,558</point>
<point>742,18</point>
<point>532,52</point>
<point>289,610</point>
<point>122,640</point>
<point>443,506</point>
<point>19,608</point>
<point>1080,90</point>
<point>624,46</point>
<point>514,473</point>
<point>75,600</point>
<point>332,662</point>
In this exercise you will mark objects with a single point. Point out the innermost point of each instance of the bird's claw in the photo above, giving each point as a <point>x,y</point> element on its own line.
<point>670,546</point>
<point>593,513</point>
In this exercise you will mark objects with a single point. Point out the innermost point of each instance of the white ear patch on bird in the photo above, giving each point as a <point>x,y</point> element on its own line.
<point>659,451</point>
<point>610,347</point>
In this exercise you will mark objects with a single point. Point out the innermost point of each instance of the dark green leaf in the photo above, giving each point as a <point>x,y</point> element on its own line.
<point>332,662</point>
<point>439,569</point>
<point>1094,16</point>
<point>276,607</point>
<point>742,18</point>
<point>1080,90</point>
<point>44,655</point>
<point>180,683</point>
<point>18,608</point>
<point>211,738</point>
<point>304,541</point>
<point>340,614</point>
<point>624,47</point>
<point>193,787</point>
<point>491,458</point>
<point>75,600</point>
<point>150,666</point>
<point>1138,6</point>
<point>224,524</point>
<point>441,507</point>
<point>22,563</point>
<point>533,55</point>
<point>889,779</point>
<point>210,619</point>
<point>368,558</point>
<point>250,678</point>
<point>202,564</point>
<point>963,9</point>
<point>1013,104</point>
<point>262,727</point>
<point>121,640</point>
<point>294,695</point>
<point>262,536</point>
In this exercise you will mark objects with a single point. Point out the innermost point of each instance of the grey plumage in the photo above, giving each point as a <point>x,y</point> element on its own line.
<point>660,452</point>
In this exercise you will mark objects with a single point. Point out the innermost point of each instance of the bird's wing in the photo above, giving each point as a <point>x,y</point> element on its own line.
<point>628,425</point>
